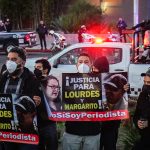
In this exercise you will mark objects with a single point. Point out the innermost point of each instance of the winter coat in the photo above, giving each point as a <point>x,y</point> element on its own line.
<point>42,30</point>
<point>143,111</point>
<point>29,86</point>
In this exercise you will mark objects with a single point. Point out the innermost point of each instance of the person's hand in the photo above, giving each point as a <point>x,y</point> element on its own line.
<point>126,122</point>
<point>142,124</point>
<point>37,100</point>
<point>126,87</point>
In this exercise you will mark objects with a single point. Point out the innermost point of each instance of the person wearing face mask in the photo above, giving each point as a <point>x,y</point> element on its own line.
<point>142,115</point>
<point>17,79</point>
<point>81,135</point>
<point>42,68</point>
<point>47,128</point>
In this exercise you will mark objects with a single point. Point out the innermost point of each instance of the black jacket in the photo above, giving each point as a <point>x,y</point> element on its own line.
<point>143,110</point>
<point>42,30</point>
<point>30,86</point>
<point>121,25</point>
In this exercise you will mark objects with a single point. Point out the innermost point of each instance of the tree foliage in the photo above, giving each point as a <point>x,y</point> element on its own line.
<point>66,15</point>
<point>81,12</point>
<point>27,13</point>
<point>17,11</point>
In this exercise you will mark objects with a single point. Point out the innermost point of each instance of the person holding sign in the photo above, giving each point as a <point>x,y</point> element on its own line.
<point>18,80</point>
<point>82,135</point>
<point>115,87</point>
<point>47,128</point>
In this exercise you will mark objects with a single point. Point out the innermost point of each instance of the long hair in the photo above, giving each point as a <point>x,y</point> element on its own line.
<point>44,83</point>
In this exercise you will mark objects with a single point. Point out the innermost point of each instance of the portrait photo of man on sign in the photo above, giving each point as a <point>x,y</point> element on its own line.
<point>26,115</point>
<point>116,95</point>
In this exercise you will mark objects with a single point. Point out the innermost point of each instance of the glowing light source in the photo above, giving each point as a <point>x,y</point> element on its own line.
<point>98,40</point>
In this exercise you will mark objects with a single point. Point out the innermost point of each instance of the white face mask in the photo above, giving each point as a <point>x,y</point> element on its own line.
<point>11,66</point>
<point>83,68</point>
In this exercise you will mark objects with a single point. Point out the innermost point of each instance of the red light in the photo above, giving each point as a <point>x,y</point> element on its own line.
<point>147,38</point>
<point>98,40</point>
<point>27,37</point>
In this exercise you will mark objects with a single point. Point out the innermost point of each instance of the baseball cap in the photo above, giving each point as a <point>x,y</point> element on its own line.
<point>25,104</point>
<point>115,82</point>
<point>147,73</point>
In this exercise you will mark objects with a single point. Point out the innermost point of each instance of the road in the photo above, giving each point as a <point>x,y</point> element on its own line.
<point>70,39</point>
<point>35,51</point>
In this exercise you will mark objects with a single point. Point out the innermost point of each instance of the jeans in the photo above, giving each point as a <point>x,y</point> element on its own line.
<point>48,137</point>
<point>76,142</point>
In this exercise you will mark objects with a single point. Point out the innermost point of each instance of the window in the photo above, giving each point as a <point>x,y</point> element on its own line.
<point>114,55</point>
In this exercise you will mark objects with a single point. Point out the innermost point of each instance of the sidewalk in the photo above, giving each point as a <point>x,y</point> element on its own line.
<point>70,39</point>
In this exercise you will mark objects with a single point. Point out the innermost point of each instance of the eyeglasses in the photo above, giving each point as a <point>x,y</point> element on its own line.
<point>54,87</point>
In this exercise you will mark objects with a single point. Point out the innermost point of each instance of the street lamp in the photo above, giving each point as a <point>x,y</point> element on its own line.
<point>136,12</point>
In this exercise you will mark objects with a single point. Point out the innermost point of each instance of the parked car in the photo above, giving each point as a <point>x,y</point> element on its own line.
<point>17,38</point>
<point>26,38</point>
<point>7,41</point>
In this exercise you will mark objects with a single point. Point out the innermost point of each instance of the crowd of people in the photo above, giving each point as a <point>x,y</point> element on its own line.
<point>16,78</point>
<point>44,95</point>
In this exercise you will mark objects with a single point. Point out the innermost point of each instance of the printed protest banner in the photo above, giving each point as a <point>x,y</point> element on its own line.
<point>18,119</point>
<point>87,97</point>
<point>81,92</point>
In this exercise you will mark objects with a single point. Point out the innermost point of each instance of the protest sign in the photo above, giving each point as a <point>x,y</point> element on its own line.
<point>87,97</point>
<point>18,119</point>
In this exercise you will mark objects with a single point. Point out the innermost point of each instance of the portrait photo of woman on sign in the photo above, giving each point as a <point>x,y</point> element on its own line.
<point>52,92</point>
